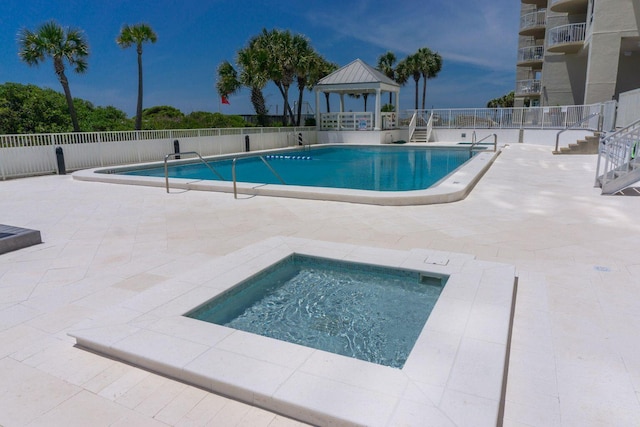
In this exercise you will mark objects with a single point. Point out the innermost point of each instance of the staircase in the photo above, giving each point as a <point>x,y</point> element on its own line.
<point>588,145</point>
<point>619,157</point>
<point>420,135</point>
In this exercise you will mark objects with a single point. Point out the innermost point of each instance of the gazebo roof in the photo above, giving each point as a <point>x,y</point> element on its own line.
<point>358,77</point>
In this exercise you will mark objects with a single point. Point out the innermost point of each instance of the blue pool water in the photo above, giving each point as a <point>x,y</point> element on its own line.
<point>379,168</point>
<point>366,312</point>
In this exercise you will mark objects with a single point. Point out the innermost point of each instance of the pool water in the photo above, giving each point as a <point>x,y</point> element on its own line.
<point>366,312</point>
<point>378,168</point>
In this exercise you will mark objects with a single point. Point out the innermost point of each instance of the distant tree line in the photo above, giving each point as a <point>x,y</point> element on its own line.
<point>285,58</point>
<point>505,101</point>
<point>31,109</point>
<point>273,55</point>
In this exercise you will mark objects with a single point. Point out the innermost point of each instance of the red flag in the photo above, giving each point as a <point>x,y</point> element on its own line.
<point>225,100</point>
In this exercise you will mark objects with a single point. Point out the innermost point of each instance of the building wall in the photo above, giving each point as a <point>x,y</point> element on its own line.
<point>607,64</point>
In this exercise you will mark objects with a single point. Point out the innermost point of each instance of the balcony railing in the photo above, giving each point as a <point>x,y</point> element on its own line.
<point>566,38</point>
<point>532,22</point>
<point>530,54</point>
<point>528,87</point>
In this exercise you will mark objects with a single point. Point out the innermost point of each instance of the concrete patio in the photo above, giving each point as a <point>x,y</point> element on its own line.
<point>575,349</point>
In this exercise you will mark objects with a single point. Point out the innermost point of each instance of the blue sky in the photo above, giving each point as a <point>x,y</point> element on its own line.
<point>477,40</point>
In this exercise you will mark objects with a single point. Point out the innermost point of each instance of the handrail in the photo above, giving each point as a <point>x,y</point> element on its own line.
<point>589,117</point>
<point>616,155</point>
<point>412,124</point>
<point>233,174</point>
<point>474,142</point>
<point>166,169</point>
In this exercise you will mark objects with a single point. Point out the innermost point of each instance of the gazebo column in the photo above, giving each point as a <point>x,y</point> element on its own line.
<point>377,117</point>
<point>318,115</point>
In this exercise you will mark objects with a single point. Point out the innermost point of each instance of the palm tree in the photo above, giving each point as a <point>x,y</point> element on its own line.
<point>430,64</point>
<point>252,74</point>
<point>51,40</point>
<point>137,34</point>
<point>410,67</point>
<point>324,68</point>
<point>385,64</point>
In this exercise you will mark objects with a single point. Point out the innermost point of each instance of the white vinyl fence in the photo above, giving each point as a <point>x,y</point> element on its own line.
<point>35,154</point>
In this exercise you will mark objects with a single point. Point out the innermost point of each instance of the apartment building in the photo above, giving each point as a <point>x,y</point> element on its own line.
<point>573,52</point>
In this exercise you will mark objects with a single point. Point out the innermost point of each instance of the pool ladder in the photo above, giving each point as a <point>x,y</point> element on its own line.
<point>475,143</point>
<point>233,174</point>
<point>166,170</point>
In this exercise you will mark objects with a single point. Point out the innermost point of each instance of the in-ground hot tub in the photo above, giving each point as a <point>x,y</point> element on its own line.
<point>454,374</point>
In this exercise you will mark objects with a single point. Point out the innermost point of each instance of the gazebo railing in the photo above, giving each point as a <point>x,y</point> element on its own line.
<point>346,121</point>
<point>356,121</point>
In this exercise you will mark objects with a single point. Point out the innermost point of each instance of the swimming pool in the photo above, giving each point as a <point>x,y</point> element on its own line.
<point>373,168</point>
<point>402,171</point>
<point>362,311</point>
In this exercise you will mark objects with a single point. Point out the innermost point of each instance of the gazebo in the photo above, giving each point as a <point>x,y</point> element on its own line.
<point>357,78</point>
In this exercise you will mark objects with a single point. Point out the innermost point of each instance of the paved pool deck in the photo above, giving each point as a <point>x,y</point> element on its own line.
<point>575,349</point>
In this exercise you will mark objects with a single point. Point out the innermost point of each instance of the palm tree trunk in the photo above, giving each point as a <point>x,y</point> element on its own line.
<point>300,97</point>
<point>67,94</point>
<point>416,80</point>
<point>424,90</point>
<point>139,106</point>
<point>326,97</point>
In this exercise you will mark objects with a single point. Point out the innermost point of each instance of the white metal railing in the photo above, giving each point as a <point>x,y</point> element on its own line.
<point>528,87</point>
<point>570,33</point>
<point>533,19</point>
<point>412,124</point>
<point>429,126</point>
<point>34,154</point>
<point>389,120</point>
<point>530,53</point>
<point>517,118</point>
<point>346,121</point>
<point>618,154</point>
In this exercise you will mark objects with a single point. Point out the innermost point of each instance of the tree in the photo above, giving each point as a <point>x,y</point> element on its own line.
<point>430,64</point>
<point>407,68</point>
<point>52,40</point>
<point>137,34</point>
<point>505,101</point>
<point>385,64</point>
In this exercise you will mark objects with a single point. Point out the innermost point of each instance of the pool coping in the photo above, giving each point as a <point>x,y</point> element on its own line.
<point>456,186</point>
<point>455,372</point>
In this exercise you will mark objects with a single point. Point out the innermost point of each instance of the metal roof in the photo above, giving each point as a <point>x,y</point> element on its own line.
<point>356,72</point>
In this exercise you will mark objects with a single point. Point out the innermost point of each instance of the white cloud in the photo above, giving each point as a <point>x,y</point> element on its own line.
<point>469,32</point>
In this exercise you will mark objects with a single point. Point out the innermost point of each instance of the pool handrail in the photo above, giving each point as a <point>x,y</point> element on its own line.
<point>166,169</point>
<point>233,174</point>
<point>589,117</point>
<point>475,143</point>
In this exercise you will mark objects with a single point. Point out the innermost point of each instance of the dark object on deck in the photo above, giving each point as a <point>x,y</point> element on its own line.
<point>247,145</point>
<point>176,148</point>
<point>14,238</point>
<point>400,141</point>
<point>60,160</point>
<point>300,139</point>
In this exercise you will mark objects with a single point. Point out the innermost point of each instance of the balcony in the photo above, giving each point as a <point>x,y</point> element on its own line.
<point>539,3</point>
<point>566,38</point>
<point>569,6</point>
<point>528,88</point>
<point>531,56</point>
<point>533,24</point>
